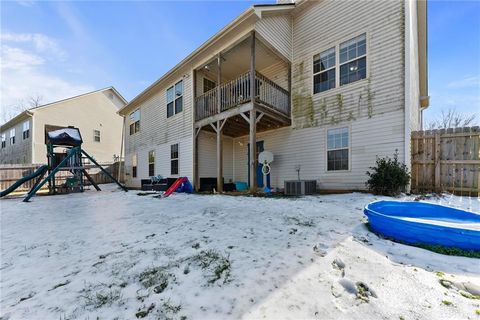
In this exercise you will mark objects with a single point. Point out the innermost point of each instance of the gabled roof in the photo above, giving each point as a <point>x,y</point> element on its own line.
<point>29,113</point>
<point>257,10</point>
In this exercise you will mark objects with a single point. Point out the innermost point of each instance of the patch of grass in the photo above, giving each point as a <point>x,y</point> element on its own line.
<point>169,307</point>
<point>477,312</point>
<point>300,221</point>
<point>469,295</point>
<point>440,274</point>
<point>218,264</point>
<point>155,277</point>
<point>102,297</point>
<point>145,312</point>
<point>447,303</point>
<point>449,251</point>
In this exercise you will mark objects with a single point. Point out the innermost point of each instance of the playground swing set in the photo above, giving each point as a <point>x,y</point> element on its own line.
<point>64,153</point>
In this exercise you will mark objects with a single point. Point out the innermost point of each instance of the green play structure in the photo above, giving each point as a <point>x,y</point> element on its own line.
<point>64,153</point>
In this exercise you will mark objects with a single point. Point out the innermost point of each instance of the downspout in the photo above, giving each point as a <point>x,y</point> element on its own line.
<point>121,152</point>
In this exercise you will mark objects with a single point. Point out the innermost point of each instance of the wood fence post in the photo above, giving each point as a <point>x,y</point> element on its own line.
<point>437,162</point>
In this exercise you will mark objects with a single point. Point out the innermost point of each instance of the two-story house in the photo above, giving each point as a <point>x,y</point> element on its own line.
<point>94,113</point>
<point>325,86</point>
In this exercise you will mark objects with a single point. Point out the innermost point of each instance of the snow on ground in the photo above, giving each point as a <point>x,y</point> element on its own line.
<point>116,255</point>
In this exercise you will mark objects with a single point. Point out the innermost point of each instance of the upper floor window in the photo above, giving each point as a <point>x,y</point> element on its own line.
<point>96,135</point>
<point>151,163</point>
<point>135,121</point>
<point>352,64</point>
<point>174,159</point>
<point>26,130</point>
<point>324,71</point>
<point>12,136</point>
<point>353,60</point>
<point>337,149</point>
<point>175,99</point>
<point>4,140</point>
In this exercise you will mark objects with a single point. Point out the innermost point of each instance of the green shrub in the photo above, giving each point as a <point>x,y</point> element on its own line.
<point>388,177</point>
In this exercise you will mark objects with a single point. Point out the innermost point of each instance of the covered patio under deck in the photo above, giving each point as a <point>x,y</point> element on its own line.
<point>229,109</point>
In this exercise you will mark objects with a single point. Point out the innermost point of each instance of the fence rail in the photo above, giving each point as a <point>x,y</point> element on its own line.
<point>446,160</point>
<point>9,173</point>
<point>237,91</point>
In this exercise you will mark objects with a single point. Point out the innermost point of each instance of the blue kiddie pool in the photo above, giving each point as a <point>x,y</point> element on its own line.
<point>424,223</point>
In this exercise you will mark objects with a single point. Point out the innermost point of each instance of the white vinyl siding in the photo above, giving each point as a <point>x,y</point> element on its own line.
<point>277,31</point>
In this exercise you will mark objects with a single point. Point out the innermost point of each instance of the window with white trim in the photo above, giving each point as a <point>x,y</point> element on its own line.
<point>26,130</point>
<point>4,140</point>
<point>151,163</point>
<point>12,136</point>
<point>134,122</point>
<point>175,99</point>
<point>174,159</point>
<point>96,135</point>
<point>324,71</point>
<point>353,60</point>
<point>337,149</point>
<point>134,166</point>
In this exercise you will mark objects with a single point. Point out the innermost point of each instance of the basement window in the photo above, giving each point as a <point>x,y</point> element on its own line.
<point>174,159</point>
<point>96,135</point>
<point>175,99</point>
<point>12,136</point>
<point>353,60</point>
<point>151,163</point>
<point>134,166</point>
<point>337,149</point>
<point>324,71</point>
<point>26,130</point>
<point>4,140</point>
<point>134,122</point>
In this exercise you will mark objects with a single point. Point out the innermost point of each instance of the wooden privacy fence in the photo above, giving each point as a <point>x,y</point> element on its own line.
<point>9,173</point>
<point>446,160</point>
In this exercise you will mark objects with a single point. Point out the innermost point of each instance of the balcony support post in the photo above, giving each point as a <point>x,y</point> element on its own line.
<point>253,119</point>
<point>219,127</point>
<point>219,81</point>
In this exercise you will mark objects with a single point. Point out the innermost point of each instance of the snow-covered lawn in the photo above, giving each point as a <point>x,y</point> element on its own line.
<point>113,255</point>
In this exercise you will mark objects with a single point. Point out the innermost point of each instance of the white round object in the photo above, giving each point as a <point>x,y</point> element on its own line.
<point>265,157</point>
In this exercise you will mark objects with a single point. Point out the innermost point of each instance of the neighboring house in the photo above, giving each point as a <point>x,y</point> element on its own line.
<point>94,113</point>
<point>335,83</point>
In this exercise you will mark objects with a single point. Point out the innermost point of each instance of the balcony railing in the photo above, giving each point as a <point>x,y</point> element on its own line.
<point>237,92</point>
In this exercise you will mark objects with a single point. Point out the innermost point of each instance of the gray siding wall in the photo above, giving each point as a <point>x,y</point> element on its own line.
<point>372,109</point>
<point>21,151</point>
<point>277,31</point>
<point>157,132</point>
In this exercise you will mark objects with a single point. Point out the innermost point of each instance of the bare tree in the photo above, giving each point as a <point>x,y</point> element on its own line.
<point>452,119</point>
<point>35,101</point>
<point>8,113</point>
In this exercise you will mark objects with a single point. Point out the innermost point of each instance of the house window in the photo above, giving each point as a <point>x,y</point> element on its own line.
<point>324,71</point>
<point>151,163</point>
<point>12,136</point>
<point>26,130</point>
<point>174,159</point>
<point>208,85</point>
<point>175,99</point>
<point>134,166</point>
<point>353,60</point>
<point>96,135</point>
<point>337,149</point>
<point>135,121</point>
<point>4,140</point>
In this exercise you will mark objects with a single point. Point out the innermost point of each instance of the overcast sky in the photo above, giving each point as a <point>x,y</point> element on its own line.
<point>59,49</point>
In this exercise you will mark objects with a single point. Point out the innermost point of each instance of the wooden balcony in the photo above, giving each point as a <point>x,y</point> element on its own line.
<point>236,93</point>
